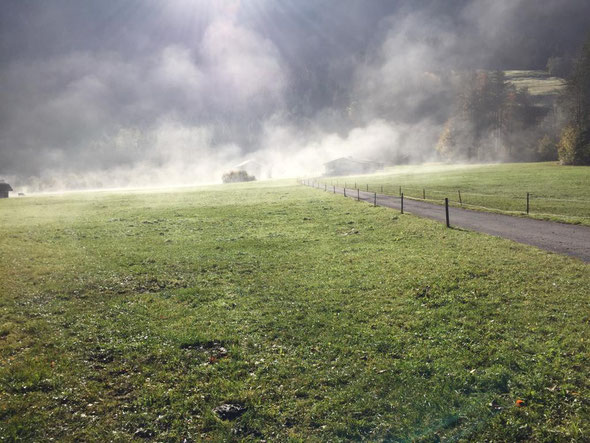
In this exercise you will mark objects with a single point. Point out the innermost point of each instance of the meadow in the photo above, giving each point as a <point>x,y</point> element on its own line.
<point>134,315</point>
<point>558,193</point>
<point>537,83</point>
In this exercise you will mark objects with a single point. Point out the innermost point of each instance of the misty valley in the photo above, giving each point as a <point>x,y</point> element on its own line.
<point>295,220</point>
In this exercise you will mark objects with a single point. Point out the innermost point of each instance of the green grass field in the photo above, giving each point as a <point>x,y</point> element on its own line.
<point>560,193</point>
<point>538,83</point>
<point>134,315</point>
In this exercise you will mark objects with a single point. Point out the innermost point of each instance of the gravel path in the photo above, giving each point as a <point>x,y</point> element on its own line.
<point>562,238</point>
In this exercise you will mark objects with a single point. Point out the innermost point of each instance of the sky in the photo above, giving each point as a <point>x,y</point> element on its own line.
<point>155,93</point>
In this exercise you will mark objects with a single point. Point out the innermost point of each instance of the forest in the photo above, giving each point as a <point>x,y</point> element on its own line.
<point>493,119</point>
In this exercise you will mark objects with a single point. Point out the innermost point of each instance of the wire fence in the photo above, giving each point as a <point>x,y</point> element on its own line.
<point>522,203</point>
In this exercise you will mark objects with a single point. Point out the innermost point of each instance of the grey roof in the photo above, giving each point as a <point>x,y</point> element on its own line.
<point>353,160</point>
<point>248,163</point>
<point>5,187</point>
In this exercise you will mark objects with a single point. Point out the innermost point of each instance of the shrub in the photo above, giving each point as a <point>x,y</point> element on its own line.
<point>237,177</point>
<point>574,146</point>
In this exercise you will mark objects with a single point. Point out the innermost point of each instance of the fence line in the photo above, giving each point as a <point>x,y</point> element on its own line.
<point>527,200</point>
<point>385,187</point>
<point>368,199</point>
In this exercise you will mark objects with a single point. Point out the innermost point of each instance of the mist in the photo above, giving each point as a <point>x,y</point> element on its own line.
<point>148,93</point>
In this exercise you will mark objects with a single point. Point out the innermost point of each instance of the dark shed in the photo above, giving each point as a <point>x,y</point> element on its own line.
<point>5,188</point>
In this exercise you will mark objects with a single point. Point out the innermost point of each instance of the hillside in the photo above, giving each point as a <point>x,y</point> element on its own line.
<point>538,83</point>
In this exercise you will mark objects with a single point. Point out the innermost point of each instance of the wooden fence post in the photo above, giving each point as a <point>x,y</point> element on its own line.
<point>447,212</point>
<point>358,195</point>
<point>375,199</point>
<point>367,187</point>
<point>460,201</point>
<point>423,194</point>
<point>528,203</point>
<point>402,202</point>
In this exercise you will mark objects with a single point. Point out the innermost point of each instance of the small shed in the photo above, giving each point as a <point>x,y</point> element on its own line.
<point>5,188</point>
<point>351,166</point>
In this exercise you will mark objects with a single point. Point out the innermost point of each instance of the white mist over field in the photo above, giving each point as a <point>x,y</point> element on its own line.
<point>116,94</point>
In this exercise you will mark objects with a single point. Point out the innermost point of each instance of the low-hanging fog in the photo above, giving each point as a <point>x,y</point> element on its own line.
<point>156,93</point>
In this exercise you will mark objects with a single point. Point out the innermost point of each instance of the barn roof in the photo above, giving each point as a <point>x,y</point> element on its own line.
<point>246,163</point>
<point>352,160</point>
<point>5,187</point>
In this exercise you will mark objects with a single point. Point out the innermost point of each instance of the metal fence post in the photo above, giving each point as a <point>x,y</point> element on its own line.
<point>447,212</point>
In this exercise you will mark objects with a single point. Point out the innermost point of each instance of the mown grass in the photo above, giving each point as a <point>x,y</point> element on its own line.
<point>337,321</point>
<point>560,193</point>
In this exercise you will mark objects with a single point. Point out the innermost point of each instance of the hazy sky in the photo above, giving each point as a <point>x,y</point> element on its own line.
<point>139,92</point>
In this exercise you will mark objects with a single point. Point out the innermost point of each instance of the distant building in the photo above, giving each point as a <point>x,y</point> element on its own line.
<point>351,166</point>
<point>5,188</point>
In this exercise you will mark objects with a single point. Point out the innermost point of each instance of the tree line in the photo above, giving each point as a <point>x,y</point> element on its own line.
<point>492,119</point>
